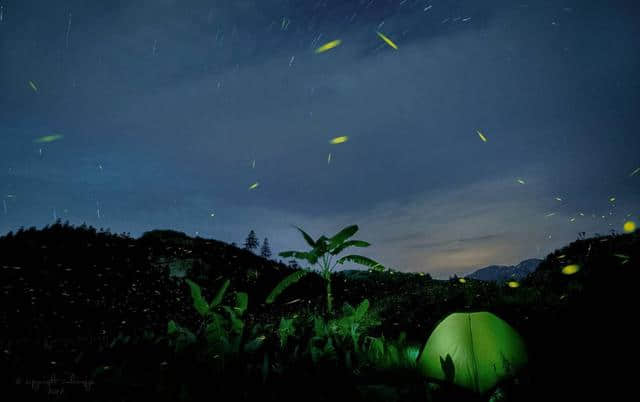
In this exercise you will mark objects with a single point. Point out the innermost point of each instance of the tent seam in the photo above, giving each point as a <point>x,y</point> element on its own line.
<point>473,358</point>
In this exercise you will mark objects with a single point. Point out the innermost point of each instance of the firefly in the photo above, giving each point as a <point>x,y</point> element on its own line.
<point>328,46</point>
<point>48,138</point>
<point>387,40</point>
<point>629,226</point>
<point>339,140</point>
<point>571,269</point>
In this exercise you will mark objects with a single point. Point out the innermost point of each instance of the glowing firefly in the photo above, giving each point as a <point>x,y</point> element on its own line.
<point>328,46</point>
<point>339,140</point>
<point>387,40</point>
<point>571,269</point>
<point>48,138</point>
<point>254,185</point>
<point>629,226</point>
<point>482,137</point>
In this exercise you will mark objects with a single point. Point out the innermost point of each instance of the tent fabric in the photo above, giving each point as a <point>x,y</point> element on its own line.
<point>472,350</point>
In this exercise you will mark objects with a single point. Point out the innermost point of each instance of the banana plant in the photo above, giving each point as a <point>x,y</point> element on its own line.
<point>222,326</point>
<point>323,250</point>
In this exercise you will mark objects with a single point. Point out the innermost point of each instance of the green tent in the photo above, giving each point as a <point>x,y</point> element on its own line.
<point>472,350</point>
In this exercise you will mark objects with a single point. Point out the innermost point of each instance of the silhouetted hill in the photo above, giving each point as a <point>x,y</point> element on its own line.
<point>89,281</point>
<point>501,273</point>
<point>69,294</point>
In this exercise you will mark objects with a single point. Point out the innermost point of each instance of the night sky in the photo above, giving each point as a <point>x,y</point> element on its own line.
<point>164,105</point>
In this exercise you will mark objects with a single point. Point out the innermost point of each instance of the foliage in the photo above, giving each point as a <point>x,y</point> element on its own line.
<point>331,246</point>
<point>222,328</point>
<point>321,340</point>
<point>53,276</point>
<point>285,283</point>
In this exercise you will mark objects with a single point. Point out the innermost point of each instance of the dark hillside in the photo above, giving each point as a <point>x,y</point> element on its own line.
<point>73,298</point>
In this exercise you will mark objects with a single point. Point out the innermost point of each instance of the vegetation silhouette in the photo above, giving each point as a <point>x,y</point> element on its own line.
<point>94,304</point>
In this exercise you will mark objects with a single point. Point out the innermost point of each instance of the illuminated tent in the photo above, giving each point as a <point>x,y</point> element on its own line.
<point>472,350</point>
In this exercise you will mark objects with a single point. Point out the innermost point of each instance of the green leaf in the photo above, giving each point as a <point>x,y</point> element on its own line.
<point>199,302</point>
<point>343,235</point>
<point>321,246</point>
<point>215,332</point>
<point>242,302</point>
<point>285,283</point>
<point>376,348</point>
<point>319,327</point>
<point>311,257</point>
<point>358,259</point>
<point>308,238</point>
<point>393,356</point>
<point>402,338</point>
<point>172,327</point>
<point>237,325</point>
<point>285,330</point>
<point>362,309</point>
<point>350,243</point>
<point>218,298</point>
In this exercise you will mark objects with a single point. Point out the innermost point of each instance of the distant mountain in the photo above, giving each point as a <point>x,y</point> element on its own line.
<point>500,273</point>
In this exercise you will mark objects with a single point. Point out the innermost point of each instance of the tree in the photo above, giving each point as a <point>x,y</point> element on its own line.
<point>322,252</point>
<point>251,243</point>
<point>265,250</point>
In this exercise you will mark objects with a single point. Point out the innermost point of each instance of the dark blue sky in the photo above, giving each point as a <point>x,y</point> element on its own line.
<point>164,105</point>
